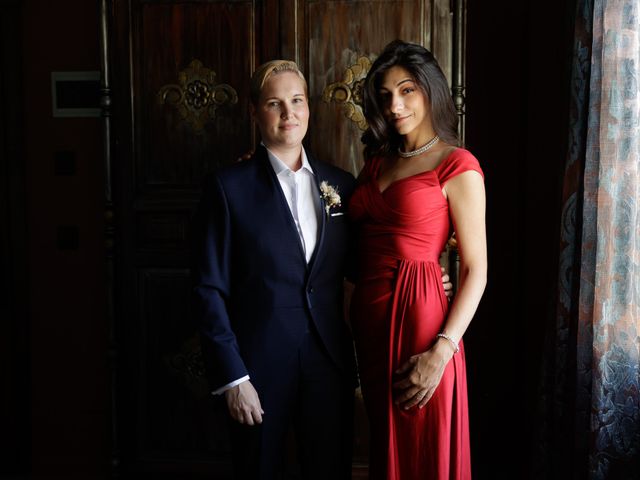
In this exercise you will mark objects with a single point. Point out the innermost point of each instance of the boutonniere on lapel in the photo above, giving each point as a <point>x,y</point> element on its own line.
<point>330,197</point>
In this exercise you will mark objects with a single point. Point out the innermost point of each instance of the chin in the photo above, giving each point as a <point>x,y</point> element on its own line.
<point>289,142</point>
<point>405,129</point>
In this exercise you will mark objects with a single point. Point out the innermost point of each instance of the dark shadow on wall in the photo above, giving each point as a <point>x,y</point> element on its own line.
<point>14,344</point>
<point>518,58</point>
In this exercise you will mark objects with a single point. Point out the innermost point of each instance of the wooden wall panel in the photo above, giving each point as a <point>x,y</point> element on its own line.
<point>15,367</point>
<point>220,35</point>
<point>440,35</point>
<point>360,28</point>
<point>162,232</point>
<point>167,421</point>
<point>176,416</point>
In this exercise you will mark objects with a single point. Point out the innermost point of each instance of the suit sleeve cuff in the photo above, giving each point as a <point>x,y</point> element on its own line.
<point>228,386</point>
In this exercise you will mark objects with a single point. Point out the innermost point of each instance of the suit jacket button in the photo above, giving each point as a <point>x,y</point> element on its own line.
<point>311,290</point>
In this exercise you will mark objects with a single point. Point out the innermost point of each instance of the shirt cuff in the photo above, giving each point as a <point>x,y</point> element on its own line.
<point>228,386</point>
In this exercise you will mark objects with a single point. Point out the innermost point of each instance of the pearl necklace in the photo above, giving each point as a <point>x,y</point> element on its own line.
<point>420,150</point>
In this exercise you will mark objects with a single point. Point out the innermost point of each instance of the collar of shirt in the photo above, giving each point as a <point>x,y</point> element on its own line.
<point>303,199</point>
<point>280,168</point>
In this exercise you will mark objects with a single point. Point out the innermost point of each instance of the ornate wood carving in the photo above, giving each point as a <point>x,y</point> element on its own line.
<point>187,364</point>
<point>196,97</point>
<point>458,80</point>
<point>348,92</point>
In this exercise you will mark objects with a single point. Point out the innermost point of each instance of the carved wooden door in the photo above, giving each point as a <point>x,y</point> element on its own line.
<point>179,100</point>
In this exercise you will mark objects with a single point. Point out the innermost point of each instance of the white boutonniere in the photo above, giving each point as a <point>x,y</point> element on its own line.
<point>329,196</point>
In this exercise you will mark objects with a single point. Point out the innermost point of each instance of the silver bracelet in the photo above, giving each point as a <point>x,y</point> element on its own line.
<point>456,348</point>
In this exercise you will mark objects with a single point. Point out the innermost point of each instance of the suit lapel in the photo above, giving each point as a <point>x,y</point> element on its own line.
<point>322,221</point>
<point>279,200</point>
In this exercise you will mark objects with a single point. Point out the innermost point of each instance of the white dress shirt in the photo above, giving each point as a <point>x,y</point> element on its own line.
<point>303,197</point>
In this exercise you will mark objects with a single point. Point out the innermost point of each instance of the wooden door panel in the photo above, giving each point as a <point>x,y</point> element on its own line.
<point>180,143</point>
<point>174,410</point>
<point>338,34</point>
<point>162,231</point>
<point>167,137</point>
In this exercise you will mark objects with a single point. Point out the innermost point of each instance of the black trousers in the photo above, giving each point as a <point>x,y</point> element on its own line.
<point>314,397</point>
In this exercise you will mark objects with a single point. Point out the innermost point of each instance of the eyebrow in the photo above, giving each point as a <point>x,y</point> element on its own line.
<point>400,83</point>
<point>405,81</point>
<point>278,98</point>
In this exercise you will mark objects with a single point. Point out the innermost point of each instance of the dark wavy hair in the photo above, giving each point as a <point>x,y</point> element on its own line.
<point>382,138</point>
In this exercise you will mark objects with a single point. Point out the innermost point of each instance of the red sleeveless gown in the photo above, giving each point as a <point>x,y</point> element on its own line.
<point>398,308</point>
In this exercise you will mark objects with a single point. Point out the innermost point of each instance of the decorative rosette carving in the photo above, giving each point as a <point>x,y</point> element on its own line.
<point>348,92</point>
<point>196,96</point>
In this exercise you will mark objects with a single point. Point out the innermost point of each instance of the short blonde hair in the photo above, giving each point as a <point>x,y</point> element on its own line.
<point>267,70</point>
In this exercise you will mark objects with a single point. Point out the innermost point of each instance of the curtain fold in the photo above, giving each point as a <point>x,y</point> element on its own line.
<point>590,400</point>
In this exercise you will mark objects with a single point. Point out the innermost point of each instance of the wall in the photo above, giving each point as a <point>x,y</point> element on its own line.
<point>14,380</point>
<point>517,122</point>
<point>68,332</point>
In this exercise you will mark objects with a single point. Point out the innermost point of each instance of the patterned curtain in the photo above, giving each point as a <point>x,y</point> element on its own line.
<point>590,398</point>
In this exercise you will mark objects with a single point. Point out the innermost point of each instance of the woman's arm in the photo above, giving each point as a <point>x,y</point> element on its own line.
<point>467,202</point>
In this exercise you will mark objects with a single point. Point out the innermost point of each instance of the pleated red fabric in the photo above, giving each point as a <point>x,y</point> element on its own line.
<point>398,308</point>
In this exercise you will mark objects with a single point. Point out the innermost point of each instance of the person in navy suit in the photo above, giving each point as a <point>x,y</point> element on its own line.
<point>271,255</point>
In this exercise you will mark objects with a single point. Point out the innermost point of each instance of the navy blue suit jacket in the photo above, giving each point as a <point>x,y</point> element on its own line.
<point>256,295</point>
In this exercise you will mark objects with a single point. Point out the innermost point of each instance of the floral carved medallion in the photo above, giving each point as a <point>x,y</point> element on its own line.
<point>348,92</point>
<point>196,96</point>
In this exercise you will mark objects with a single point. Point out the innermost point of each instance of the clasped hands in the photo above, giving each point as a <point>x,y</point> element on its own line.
<point>418,377</point>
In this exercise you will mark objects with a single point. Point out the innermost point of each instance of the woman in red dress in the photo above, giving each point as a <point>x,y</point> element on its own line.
<point>416,185</point>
